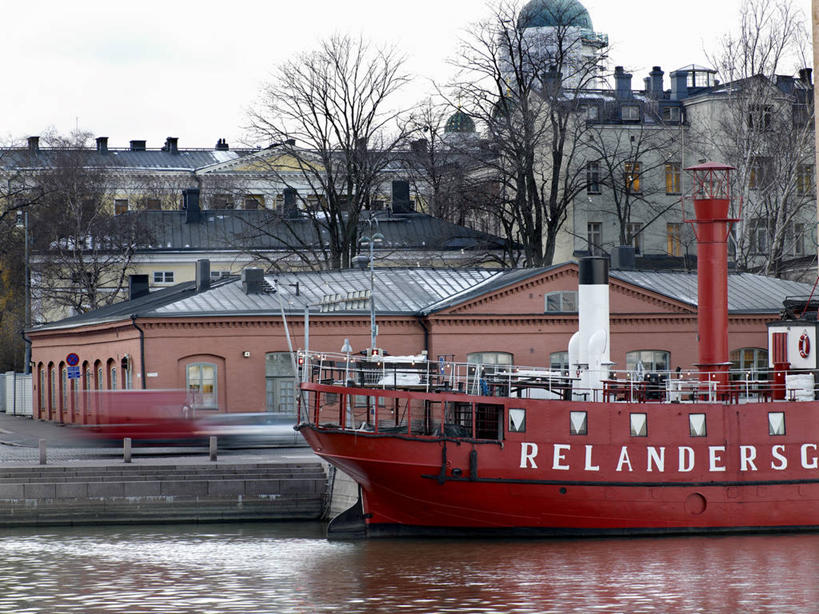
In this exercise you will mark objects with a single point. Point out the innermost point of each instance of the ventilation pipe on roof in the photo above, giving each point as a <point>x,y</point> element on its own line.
<point>34,144</point>
<point>102,144</point>
<point>222,145</point>
<point>138,145</point>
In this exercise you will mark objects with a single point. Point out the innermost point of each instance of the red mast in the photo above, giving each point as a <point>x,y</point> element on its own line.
<point>712,203</point>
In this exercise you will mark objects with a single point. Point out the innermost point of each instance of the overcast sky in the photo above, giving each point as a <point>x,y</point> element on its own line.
<point>190,68</point>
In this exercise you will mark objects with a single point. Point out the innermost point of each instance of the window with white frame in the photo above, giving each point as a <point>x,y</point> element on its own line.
<point>749,363</point>
<point>630,112</point>
<point>593,177</point>
<point>594,236</point>
<point>671,114</point>
<point>200,382</point>
<point>163,277</point>
<point>490,358</point>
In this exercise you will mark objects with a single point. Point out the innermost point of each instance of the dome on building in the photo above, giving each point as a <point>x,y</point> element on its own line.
<point>459,122</point>
<point>554,13</point>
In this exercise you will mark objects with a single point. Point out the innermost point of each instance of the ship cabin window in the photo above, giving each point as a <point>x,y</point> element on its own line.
<point>578,423</point>
<point>638,425</point>
<point>696,425</point>
<point>488,421</point>
<point>776,423</point>
<point>517,420</point>
<point>564,301</point>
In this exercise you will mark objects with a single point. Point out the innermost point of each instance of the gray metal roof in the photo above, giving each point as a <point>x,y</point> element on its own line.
<point>747,293</point>
<point>408,291</point>
<point>397,291</point>
<point>155,159</point>
<point>232,229</point>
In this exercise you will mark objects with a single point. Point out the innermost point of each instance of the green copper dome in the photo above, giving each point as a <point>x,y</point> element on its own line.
<point>554,13</point>
<point>459,122</point>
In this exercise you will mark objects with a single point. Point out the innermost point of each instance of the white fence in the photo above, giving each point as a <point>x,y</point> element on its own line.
<point>15,394</point>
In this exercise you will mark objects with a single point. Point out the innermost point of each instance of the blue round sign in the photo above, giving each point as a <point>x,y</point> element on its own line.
<point>72,359</point>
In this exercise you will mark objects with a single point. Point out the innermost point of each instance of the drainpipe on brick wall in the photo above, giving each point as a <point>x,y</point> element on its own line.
<point>141,349</point>
<point>426,333</point>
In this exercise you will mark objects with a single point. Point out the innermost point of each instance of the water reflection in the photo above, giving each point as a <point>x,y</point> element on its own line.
<point>291,568</point>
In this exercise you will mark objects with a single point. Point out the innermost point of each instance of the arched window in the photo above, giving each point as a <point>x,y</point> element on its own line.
<point>100,383</point>
<point>63,387</point>
<point>200,381</point>
<point>279,382</point>
<point>43,389</point>
<point>112,375</point>
<point>52,387</point>
<point>648,360</point>
<point>559,361</point>
<point>749,362</point>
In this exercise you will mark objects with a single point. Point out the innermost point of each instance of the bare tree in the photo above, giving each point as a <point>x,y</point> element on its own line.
<point>522,85</point>
<point>82,252</point>
<point>623,156</point>
<point>764,127</point>
<point>330,119</point>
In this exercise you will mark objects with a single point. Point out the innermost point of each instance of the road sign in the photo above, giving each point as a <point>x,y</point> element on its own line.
<point>73,372</point>
<point>72,359</point>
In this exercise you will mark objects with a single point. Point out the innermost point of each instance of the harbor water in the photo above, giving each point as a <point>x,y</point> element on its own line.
<point>283,567</point>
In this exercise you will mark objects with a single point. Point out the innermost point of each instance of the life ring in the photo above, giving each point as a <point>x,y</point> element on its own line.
<point>804,345</point>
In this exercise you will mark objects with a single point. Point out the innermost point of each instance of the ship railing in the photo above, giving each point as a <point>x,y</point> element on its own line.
<point>418,373</point>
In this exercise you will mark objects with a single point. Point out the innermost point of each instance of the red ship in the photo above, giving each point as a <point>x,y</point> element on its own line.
<point>463,449</point>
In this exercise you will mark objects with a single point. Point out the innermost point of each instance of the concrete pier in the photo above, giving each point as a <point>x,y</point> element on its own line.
<point>160,492</point>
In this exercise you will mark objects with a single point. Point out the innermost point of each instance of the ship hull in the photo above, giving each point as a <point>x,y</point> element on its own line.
<point>739,478</point>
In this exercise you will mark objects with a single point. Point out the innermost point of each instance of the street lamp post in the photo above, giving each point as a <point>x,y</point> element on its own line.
<point>371,239</point>
<point>22,222</point>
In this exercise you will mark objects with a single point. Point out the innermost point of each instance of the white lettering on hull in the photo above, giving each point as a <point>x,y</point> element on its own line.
<point>744,458</point>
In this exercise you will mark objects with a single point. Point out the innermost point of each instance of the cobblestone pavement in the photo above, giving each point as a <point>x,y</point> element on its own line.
<point>20,437</point>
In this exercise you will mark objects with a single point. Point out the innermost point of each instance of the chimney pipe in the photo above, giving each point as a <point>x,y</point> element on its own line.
<point>589,347</point>
<point>171,145</point>
<point>202,275</point>
<point>34,144</point>
<point>222,145</point>
<point>401,197</point>
<point>291,203</point>
<point>190,203</point>
<point>656,76</point>
<point>253,281</point>
<point>622,83</point>
<point>102,144</point>
<point>137,145</point>
<point>679,85</point>
<point>806,76</point>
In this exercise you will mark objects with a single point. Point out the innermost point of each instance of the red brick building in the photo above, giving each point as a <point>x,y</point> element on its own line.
<point>226,341</point>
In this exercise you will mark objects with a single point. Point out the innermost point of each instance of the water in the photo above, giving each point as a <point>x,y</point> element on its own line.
<point>286,568</point>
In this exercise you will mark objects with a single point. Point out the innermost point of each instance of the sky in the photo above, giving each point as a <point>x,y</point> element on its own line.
<point>191,68</point>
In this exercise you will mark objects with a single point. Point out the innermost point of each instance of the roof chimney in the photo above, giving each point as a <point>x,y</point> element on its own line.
<point>400,197</point>
<point>222,145</point>
<point>253,281</point>
<point>102,144</point>
<point>622,83</point>
<point>656,76</point>
<point>190,203</point>
<point>806,76</point>
<point>171,145</point>
<point>137,145</point>
<point>34,144</point>
<point>679,85</point>
<point>137,286</point>
<point>291,203</point>
<point>202,275</point>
